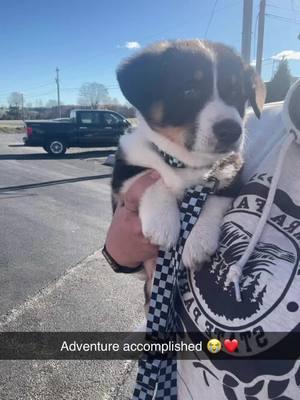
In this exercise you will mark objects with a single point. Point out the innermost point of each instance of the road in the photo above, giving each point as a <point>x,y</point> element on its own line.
<point>45,229</point>
<point>53,217</point>
<point>5,122</point>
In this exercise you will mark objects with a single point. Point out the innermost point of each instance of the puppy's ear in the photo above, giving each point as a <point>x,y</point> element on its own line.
<point>255,90</point>
<point>139,78</point>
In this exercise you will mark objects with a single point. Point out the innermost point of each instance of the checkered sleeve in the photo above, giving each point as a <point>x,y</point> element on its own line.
<point>156,377</point>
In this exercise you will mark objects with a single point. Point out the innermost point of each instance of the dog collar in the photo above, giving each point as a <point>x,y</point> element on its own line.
<point>211,183</point>
<point>170,160</point>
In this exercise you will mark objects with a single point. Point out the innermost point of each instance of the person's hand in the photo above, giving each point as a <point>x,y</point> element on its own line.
<point>125,241</point>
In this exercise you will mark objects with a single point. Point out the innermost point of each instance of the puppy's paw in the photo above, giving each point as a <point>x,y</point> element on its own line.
<point>203,241</point>
<point>194,258</point>
<point>175,185</point>
<point>162,231</point>
<point>198,250</point>
<point>160,216</point>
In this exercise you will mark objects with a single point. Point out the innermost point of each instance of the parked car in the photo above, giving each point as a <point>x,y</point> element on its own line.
<point>84,128</point>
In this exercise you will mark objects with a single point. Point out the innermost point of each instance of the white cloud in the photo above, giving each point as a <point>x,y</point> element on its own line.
<point>287,54</point>
<point>132,45</point>
<point>253,63</point>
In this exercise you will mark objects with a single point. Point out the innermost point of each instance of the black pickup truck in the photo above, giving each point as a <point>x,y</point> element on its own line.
<point>84,128</point>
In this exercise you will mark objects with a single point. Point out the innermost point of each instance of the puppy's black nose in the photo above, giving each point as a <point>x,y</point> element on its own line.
<point>227,131</point>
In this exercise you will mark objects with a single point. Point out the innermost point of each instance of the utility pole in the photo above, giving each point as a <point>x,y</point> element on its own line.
<point>260,37</point>
<point>247,30</point>
<point>58,92</point>
<point>22,105</point>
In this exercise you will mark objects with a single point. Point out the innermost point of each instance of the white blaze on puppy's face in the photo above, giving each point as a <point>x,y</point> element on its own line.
<point>215,112</point>
<point>221,116</point>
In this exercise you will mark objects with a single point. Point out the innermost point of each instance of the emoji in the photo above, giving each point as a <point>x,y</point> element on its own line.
<point>231,345</point>
<point>214,346</point>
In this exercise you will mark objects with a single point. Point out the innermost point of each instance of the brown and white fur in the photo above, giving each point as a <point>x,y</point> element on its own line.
<point>191,97</point>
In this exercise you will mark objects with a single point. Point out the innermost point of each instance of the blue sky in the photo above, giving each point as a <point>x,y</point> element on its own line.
<point>86,39</point>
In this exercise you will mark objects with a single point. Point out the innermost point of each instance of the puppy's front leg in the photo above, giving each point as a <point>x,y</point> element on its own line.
<point>159,215</point>
<point>204,238</point>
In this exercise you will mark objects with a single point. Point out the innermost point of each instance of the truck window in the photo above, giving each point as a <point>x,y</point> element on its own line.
<point>111,119</point>
<point>87,118</point>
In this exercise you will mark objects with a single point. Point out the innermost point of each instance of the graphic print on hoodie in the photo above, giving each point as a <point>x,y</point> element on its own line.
<point>269,286</point>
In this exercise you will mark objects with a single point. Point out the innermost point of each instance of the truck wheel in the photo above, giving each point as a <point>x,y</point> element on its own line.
<point>56,147</point>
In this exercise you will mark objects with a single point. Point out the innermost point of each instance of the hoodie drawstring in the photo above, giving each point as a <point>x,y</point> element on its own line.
<point>236,270</point>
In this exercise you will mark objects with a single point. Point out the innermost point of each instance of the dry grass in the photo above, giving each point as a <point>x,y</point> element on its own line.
<point>11,129</point>
<point>11,126</point>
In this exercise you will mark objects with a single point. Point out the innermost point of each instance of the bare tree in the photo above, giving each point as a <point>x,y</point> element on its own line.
<point>15,99</point>
<point>93,93</point>
<point>39,103</point>
<point>51,103</point>
<point>115,101</point>
<point>279,85</point>
<point>16,105</point>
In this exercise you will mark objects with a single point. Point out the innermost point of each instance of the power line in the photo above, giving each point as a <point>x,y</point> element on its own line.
<point>295,10</point>
<point>5,94</point>
<point>113,86</point>
<point>32,91</point>
<point>40,95</point>
<point>227,6</point>
<point>214,11</point>
<point>283,19</point>
<point>53,92</point>
<point>91,59</point>
<point>211,18</point>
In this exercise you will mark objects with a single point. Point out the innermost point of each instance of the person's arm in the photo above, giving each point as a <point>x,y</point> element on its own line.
<point>125,242</point>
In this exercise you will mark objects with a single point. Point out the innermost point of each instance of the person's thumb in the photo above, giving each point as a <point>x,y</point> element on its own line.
<point>133,195</point>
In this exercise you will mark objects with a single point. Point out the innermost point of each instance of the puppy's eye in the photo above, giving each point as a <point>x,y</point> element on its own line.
<point>189,92</point>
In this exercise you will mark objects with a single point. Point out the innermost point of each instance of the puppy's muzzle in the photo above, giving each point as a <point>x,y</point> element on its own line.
<point>227,133</point>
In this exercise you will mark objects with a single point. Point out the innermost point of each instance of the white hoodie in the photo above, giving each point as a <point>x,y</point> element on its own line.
<point>270,273</point>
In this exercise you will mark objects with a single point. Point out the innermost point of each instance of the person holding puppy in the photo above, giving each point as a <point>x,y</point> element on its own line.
<point>269,274</point>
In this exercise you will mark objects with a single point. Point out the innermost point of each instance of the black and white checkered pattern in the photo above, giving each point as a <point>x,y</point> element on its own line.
<point>157,376</point>
<point>172,161</point>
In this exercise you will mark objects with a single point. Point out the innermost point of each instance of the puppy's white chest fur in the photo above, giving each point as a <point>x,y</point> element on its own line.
<point>138,150</point>
<point>159,211</point>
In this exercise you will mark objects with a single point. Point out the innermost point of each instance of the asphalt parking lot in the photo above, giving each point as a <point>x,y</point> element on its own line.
<point>54,215</point>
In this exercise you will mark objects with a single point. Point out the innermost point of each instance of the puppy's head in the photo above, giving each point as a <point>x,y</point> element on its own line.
<point>193,92</point>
